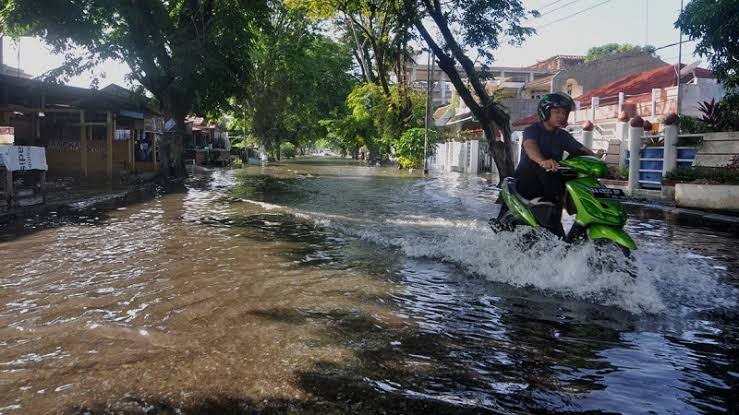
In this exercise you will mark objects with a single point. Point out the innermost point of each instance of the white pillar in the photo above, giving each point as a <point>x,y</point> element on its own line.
<point>463,153</point>
<point>621,99</point>
<point>655,97</point>
<point>516,147</point>
<point>670,156</point>
<point>594,102</point>
<point>587,139</point>
<point>622,133</point>
<point>474,156</point>
<point>449,155</point>
<point>635,138</point>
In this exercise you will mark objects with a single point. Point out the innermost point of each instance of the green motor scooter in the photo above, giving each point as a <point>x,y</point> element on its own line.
<point>600,216</point>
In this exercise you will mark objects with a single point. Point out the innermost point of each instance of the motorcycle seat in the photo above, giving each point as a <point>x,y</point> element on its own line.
<point>532,203</point>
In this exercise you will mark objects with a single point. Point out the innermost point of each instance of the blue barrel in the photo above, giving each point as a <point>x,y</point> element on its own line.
<point>686,153</point>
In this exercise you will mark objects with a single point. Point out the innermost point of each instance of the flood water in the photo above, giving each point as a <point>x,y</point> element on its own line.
<point>323,286</point>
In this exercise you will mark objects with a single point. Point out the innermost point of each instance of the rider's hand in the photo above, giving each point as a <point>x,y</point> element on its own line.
<point>549,164</point>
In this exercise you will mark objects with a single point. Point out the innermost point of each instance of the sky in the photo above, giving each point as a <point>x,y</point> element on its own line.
<point>566,27</point>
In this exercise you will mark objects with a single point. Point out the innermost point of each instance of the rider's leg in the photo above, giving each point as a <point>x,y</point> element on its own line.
<point>553,188</point>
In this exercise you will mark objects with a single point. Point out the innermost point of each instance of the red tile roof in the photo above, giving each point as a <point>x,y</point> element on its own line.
<point>641,83</point>
<point>638,86</point>
<point>525,120</point>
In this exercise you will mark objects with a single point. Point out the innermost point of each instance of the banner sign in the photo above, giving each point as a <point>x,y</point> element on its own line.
<point>19,158</point>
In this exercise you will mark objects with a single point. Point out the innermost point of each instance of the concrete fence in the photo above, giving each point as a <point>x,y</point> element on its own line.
<point>456,156</point>
<point>647,169</point>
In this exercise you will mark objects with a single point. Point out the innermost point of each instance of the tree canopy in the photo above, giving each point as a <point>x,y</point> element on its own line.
<point>192,55</point>
<point>477,25</point>
<point>715,23</point>
<point>599,52</point>
<point>298,78</point>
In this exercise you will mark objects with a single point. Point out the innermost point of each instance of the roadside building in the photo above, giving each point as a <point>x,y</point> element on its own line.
<point>206,143</point>
<point>85,133</point>
<point>650,94</point>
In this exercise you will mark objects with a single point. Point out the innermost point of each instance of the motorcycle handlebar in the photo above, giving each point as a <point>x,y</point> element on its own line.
<point>562,170</point>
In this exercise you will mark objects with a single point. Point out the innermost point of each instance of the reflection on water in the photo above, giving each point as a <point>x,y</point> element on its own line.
<point>327,287</point>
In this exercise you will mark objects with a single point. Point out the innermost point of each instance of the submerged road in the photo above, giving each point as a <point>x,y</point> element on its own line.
<point>324,286</point>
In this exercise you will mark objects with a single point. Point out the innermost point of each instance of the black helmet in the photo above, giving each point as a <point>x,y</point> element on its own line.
<point>555,100</point>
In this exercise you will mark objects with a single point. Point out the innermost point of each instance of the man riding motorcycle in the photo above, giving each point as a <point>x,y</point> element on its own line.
<point>543,146</point>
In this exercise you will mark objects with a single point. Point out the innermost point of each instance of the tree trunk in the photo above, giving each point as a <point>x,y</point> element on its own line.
<point>361,55</point>
<point>490,115</point>
<point>172,162</point>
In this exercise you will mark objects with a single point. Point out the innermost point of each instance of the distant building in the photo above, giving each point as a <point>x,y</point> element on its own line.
<point>649,94</point>
<point>506,80</point>
<point>579,79</point>
<point>559,62</point>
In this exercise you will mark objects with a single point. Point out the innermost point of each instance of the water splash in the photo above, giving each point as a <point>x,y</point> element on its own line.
<point>667,280</point>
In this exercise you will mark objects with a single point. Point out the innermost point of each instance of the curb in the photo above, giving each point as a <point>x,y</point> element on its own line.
<point>118,198</point>
<point>684,216</point>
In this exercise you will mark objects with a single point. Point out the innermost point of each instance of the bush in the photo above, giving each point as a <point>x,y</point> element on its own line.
<point>409,147</point>
<point>287,150</point>
<point>712,175</point>
<point>690,125</point>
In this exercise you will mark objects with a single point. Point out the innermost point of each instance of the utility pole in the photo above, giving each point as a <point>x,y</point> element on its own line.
<point>679,62</point>
<point>428,108</point>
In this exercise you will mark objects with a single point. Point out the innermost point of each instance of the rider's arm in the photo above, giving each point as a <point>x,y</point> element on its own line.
<point>576,148</point>
<point>584,151</point>
<point>534,153</point>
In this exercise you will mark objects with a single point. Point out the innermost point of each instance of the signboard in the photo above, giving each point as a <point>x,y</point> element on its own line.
<point>7,135</point>
<point>19,158</point>
<point>154,124</point>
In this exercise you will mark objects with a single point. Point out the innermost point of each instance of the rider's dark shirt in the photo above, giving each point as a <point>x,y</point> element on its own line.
<point>552,145</point>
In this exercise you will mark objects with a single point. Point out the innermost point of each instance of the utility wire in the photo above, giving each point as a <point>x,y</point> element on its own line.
<point>571,15</point>
<point>553,10</point>
<point>548,4</point>
<point>675,44</point>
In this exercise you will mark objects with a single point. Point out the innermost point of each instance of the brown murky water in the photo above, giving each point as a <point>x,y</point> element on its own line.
<point>315,287</point>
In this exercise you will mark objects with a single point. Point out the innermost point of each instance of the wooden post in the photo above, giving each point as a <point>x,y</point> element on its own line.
<point>109,146</point>
<point>42,184</point>
<point>154,150</point>
<point>131,158</point>
<point>83,144</point>
<point>9,187</point>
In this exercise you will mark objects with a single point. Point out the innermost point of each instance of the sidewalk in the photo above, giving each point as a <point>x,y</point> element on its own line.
<point>67,197</point>
<point>725,222</point>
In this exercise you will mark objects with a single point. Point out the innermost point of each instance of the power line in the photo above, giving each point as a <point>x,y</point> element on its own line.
<point>548,4</point>
<point>554,10</point>
<point>572,15</point>
<point>675,44</point>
